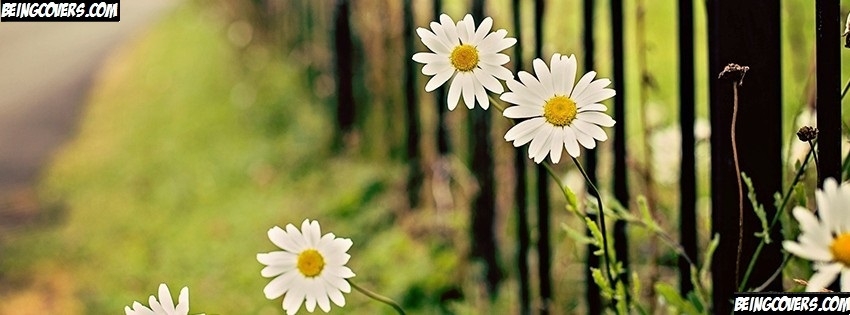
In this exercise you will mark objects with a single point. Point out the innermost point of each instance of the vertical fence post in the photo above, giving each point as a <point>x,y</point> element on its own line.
<point>440,95</point>
<point>345,105</point>
<point>484,204</point>
<point>591,294</point>
<point>543,242</point>
<point>828,100</point>
<point>414,176</point>
<point>521,188</point>
<point>759,138</point>
<point>621,189</point>
<point>687,175</point>
<point>828,88</point>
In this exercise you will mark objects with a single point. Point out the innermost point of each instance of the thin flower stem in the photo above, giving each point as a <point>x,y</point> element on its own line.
<point>779,211</point>
<point>496,103</point>
<point>377,297</point>
<point>601,218</point>
<point>846,87</point>
<point>815,154</point>
<point>740,184</point>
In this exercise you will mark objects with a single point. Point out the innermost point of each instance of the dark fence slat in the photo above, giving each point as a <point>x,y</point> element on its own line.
<point>521,192</point>
<point>828,96</point>
<point>621,188</point>
<point>484,203</point>
<point>687,175</point>
<point>414,176</point>
<point>543,243</point>
<point>343,48</point>
<point>828,25</point>
<point>440,94</point>
<point>591,294</point>
<point>759,137</point>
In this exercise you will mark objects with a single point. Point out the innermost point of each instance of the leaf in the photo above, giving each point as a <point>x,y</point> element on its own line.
<point>597,235</point>
<point>646,215</point>
<point>758,209</point>
<point>709,253</point>
<point>577,236</point>
<point>572,200</point>
<point>674,299</point>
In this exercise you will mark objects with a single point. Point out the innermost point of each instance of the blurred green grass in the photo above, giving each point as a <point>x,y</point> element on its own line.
<point>188,152</point>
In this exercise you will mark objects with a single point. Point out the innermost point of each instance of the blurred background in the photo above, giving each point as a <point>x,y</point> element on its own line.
<point>163,147</point>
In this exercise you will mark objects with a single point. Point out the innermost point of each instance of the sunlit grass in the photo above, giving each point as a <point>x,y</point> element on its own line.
<point>188,152</point>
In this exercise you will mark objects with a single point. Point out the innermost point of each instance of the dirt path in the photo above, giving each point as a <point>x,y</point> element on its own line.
<point>46,69</point>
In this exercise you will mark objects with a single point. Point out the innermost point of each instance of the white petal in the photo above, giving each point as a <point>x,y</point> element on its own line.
<point>520,95</point>
<point>293,300</point>
<point>464,28</point>
<point>165,299</point>
<point>280,285</point>
<point>556,145</point>
<point>311,295</point>
<point>322,299</point>
<point>811,227</point>
<point>544,76</point>
<point>183,302</point>
<point>583,83</point>
<point>439,79</point>
<point>480,93</point>
<point>468,90</point>
<point>277,258</point>
<point>334,294</point>
<point>496,41</point>
<point>524,127</point>
<point>845,280</point>
<point>593,107</point>
<point>497,71</point>
<point>570,78</point>
<point>454,92</point>
<point>538,145</point>
<point>312,232</point>
<point>523,112</point>
<point>590,129</point>
<point>437,67</point>
<point>484,28</point>
<point>595,96</point>
<point>493,59</point>
<point>534,86</point>
<point>433,42</point>
<point>450,29</point>
<point>598,118</point>
<point>570,143</point>
<point>823,277</point>
<point>809,253</point>
<point>559,74</point>
<point>585,140</point>
<point>296,237</point>
<point>281,239</point>
<point>426,57</point>
<point>488,81</point>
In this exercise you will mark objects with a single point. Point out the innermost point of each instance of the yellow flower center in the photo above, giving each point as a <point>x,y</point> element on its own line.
<point>310,263</point>
<point>841,248</point>
<point>464,57</point>
<point>560,110</point>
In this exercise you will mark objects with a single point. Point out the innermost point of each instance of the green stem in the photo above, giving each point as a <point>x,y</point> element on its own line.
<point>779,211</point>
<point>377,297</point>
<point>601,223</point>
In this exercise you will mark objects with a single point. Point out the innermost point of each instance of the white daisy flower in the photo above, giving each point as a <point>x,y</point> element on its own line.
<point>310,269</point>
<point>562,115</point>
<point>826,241</point>
<point>470,55</point>
<point>165,305</point>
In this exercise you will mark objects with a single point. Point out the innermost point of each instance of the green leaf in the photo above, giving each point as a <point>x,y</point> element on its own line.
<point>758,209</point>
<point>597,235</point>
<point>572,201</point>
<point>646,215</point>
<point>578,237</point>
<point>709,253</point>
<point>674,299</point>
